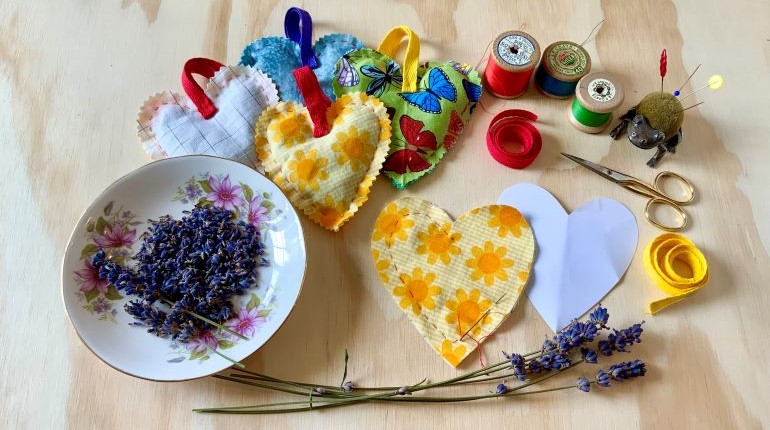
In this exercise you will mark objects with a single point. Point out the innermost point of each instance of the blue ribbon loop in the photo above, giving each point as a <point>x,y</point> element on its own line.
<point>298,27</point>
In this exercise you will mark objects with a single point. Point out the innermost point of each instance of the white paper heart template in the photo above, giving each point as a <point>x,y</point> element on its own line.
<point>580,256</point>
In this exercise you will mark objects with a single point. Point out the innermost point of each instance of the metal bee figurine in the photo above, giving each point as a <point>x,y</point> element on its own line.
<point>656,122</point>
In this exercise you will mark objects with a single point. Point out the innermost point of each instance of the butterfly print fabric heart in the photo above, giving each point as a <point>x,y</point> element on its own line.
<point>278,56</point>
<point>429,104</point>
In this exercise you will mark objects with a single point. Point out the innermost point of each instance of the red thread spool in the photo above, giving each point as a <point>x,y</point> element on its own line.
<point>509,69</point>
<point>514,125</point>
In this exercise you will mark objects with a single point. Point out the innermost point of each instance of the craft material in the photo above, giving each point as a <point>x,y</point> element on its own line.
<point>513,128</point>
<point>456,281</point>
<point>218,120</point>
<point>581,256</point>
<point>655,191</point>
<point>715,82</point>
<point>187,272</point>
<point>597,95</point>
<point>678,91</point>
<point>114,222</point>
<point>325,156</point>
<point>560,69</point>
<point>429,104</point>
<point>279,56</point>
<point>663,68</point>
<point>588,341</point>
<point>515,55</point>
<point>676,266</point>
<point>656,122</point>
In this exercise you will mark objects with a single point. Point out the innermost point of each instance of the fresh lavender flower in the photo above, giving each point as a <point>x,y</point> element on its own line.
<point>560,362</point>
<point>619,340</point>
<point>347,387</point>
<point>518,365</point>
<point>599,316</point>
<point>403,391</point>
<point>501,389</point>
<point>627,370</point>
<point>605,348</point>
<point>583,384</point>
<point>603,378</point>
<point>534,367</point>
<point>589,355</point>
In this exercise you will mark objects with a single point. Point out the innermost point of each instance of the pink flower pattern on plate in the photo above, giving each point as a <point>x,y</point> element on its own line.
<point>88,278</point>
<point>202,343</point>
<point>257,213</point>
<point>225,195</point>
<point>115,237</point>
<point>246,322</point>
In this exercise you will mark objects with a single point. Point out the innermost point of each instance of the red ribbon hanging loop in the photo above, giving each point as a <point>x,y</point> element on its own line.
<point>206,68</point>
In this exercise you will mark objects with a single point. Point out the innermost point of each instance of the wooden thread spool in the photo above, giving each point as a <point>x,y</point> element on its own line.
<point>509,69</point>
<point>562,66</point>
<point>597,95</point>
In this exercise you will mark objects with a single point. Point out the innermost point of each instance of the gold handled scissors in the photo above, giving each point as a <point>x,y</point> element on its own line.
<point>654,191</point>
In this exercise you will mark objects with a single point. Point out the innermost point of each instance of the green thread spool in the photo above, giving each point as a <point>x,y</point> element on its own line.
<point>597,95</point>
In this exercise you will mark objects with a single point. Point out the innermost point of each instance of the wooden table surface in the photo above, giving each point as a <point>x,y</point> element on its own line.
<point>73,74</point>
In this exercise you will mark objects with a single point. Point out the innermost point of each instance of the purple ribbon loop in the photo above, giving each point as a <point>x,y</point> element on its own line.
<point>298,27</point>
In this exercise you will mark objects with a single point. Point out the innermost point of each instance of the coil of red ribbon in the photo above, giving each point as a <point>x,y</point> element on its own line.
<point>514,127</point>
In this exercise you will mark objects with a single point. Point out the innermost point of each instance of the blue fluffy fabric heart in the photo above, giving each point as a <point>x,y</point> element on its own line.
<point>278,56</point>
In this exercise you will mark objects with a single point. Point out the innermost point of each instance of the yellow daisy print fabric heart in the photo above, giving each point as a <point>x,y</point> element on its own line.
<point>456,281</point>
<point>329,177</point>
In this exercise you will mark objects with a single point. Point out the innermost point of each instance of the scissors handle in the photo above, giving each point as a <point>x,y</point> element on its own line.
<point>649,214</point>
<point>656,190</point>
<point>689,190</point>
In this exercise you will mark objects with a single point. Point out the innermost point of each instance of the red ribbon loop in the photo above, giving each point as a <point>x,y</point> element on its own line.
<point>316,101</point>
<point>206,68</point>
<point>514,125</point>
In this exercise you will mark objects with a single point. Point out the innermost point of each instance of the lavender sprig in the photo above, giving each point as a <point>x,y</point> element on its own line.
<point>573,345</point>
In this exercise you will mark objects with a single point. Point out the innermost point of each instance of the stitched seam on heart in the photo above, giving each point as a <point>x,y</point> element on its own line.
<point>153,105</point>
<point>305,201</point>
<point>468,337</point>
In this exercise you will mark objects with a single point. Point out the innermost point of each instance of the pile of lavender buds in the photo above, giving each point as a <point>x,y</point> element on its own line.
<point>191,267</point>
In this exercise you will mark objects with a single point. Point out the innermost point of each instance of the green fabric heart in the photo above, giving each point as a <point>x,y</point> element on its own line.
<point>427,119</point>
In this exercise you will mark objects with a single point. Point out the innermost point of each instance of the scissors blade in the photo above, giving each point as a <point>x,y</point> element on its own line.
<point>600,170</point>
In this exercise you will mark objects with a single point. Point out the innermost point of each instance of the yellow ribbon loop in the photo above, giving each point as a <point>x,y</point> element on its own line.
<point>677,266</point>
<point>389,46</point>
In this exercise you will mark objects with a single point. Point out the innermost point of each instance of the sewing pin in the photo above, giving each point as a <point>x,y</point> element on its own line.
<point>715,82</point>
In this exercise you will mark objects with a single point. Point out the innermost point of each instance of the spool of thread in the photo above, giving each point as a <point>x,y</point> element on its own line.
<point>509,69</point>
<point>562,66</point>
<point>597,95</point>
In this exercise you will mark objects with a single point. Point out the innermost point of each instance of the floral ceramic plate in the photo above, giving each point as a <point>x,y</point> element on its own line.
<point>115,222</point>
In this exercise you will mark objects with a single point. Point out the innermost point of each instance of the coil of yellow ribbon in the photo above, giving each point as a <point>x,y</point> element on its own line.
<point>676,266</point>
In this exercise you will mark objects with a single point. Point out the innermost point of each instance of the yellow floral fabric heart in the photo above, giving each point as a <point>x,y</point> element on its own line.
<point>456,281</point>
<point>328,177</point>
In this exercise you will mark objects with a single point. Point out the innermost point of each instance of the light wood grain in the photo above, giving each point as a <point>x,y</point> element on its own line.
<point>73,74</point>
